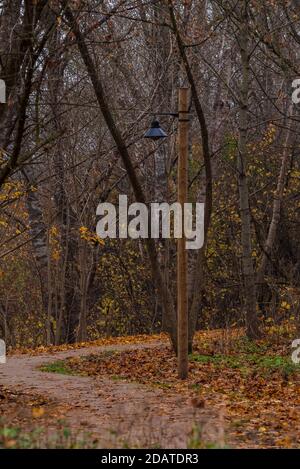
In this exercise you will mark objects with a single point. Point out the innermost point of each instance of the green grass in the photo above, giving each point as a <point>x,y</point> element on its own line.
<point>251,360</point>
<point>118,378</point>
<point>59,366</point>
<point>246,345</point>
<point>162,385</point>
<point>196,440</point>
<point>16,438</point>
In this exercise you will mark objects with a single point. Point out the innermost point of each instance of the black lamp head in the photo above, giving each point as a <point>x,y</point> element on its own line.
<point>155,132</point>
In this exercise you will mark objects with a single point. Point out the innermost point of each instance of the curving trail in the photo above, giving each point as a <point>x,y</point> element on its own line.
<point>116,412</point>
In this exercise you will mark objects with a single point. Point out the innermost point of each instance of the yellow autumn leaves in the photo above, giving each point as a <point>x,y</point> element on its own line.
<point>89,236</point>
<point>84,233</point>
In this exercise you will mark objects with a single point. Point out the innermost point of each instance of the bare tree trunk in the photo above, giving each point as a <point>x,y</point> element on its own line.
<point>38,232</point>
<point>82,328</point>
<point>277,203</point>
<point>249,293</point>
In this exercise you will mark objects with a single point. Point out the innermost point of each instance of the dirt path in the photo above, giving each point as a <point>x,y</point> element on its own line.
<point>118,413</point>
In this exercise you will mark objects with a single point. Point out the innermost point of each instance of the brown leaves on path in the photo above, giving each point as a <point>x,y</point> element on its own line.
<point>128,340</point>
<point>258,389</point>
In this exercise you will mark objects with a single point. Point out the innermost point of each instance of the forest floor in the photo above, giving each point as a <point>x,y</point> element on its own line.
<point>125,393</point>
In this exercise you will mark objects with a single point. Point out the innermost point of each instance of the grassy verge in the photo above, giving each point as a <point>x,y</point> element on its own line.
<point>58,366</point>
<point>41,438</point>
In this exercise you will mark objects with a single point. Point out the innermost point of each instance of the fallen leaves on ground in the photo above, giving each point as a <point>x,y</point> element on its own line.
<point>29,412</point>
<point>137,339</point>
<point>254,382</point>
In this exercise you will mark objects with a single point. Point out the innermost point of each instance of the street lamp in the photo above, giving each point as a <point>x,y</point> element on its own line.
<point>156,133</point>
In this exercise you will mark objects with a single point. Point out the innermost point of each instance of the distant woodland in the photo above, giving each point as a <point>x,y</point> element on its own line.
<point>83,81</point>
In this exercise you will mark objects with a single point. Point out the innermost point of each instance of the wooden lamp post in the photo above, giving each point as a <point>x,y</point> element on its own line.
<point>182,269</point>
<point>155,133</point>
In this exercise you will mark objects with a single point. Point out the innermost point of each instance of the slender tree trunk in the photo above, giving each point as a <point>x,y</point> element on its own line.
<point>249,290</point>
<point>38,232</point>
<point>277,203</point>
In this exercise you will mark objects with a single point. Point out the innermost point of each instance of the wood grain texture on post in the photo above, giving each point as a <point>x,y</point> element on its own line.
<point>182,290</point>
